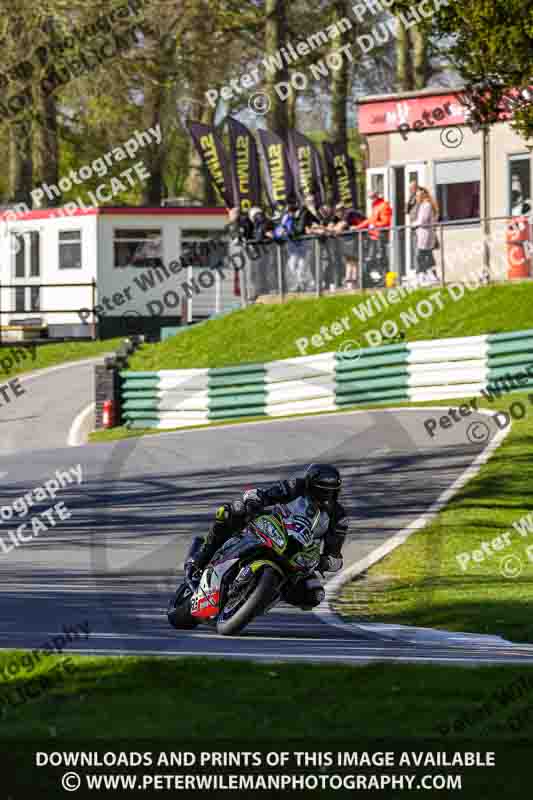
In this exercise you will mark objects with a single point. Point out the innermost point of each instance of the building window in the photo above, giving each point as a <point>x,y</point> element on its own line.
<point>70,250</point>
<point>20,295</point>
<point>519,185</point>
<point>35,263</point>
<point>458,189</point>
<point>138,247</point>
<point>17,242</point>
<point>377,183</point>
<point>202,248</point>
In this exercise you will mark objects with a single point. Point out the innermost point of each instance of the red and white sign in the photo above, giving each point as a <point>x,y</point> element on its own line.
<point>382,116</point>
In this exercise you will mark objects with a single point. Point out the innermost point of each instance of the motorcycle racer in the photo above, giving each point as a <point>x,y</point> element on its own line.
<point>309,500</point>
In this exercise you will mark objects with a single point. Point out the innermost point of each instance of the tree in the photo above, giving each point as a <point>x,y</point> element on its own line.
<point>490,44</point>
<point>339,80</point>
<point>275,38</point>
<point>14,44</point>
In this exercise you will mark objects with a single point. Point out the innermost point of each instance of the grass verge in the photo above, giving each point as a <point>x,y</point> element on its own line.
<point>165,698</point>
<point>171,705</point>
<point>50,355</point>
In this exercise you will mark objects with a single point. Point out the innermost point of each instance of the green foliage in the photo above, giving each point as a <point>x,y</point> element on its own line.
<point>48,355</point>
<point>490,44</point>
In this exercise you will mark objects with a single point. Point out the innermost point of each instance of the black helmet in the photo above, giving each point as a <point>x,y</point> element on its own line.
<point>323,484</point>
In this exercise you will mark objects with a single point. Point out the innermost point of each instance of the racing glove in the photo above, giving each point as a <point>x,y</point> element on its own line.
<point>231,514</point>
<point>331,559</point>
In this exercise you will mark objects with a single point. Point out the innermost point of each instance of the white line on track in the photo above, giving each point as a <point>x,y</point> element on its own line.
<point>39,373</point>
<point>473,660</point>
<point>75,435</point>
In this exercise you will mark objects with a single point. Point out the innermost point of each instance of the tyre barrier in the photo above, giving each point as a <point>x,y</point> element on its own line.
<point>420,371</point>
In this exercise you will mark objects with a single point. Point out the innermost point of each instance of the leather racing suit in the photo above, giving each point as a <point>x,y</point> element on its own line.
<point>293,501</point>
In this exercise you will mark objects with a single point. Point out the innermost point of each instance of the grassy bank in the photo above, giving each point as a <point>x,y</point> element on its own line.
<point>266,332</point>
<point>49,355</point>
<point>137,705</point>
<point>423,583</point>
<point>178,698</point>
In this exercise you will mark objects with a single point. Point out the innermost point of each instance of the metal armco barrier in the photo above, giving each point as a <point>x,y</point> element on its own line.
<point>427,370</point>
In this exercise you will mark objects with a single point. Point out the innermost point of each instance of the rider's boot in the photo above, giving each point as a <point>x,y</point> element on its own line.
<point>219,532</point>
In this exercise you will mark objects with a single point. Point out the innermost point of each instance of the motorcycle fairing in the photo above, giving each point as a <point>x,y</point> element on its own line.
<point>205,603</point>
<point>266,533</point>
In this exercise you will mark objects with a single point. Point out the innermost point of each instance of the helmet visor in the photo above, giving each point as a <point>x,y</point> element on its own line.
<point>326,497</point>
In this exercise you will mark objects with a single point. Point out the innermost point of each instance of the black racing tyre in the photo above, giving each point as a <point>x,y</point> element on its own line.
<point>179,610</point>
<point>258,599</point>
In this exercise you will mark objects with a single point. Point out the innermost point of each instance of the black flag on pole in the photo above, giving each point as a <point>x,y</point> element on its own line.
<point>245,166</point>
<point>214,157</point>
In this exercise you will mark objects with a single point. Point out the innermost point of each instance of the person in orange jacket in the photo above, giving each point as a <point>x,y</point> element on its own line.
<point>381,216</point>
<point>379,220</point>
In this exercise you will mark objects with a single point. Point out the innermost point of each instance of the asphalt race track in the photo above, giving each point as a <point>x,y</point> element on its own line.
<point>115,562</point>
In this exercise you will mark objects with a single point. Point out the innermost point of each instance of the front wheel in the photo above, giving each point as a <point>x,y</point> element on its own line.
<point>179,609</point>
<point>237,614</point>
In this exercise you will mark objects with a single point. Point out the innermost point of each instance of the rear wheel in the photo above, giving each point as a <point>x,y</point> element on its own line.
<point>254,598</point>
<point>179,609</point>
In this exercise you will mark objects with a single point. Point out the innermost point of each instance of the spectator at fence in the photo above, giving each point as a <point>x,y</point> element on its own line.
<point>260,225</point>
<point>377,224</point>
<point>346,218</point>
<point>308,219</point>
<point>239,227</point>
<point>260,275</point>
<point>297,222</point>
<point>278,210</point>
<point>411,210</point>
<point>346,273</point>
<point>380,217</point>
<point>412,203</point>
<point>328,219</point>
<point>350,277</point>
<point>426,219</point>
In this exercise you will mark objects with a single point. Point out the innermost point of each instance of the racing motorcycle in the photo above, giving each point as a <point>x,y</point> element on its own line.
<point>249,574</point>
